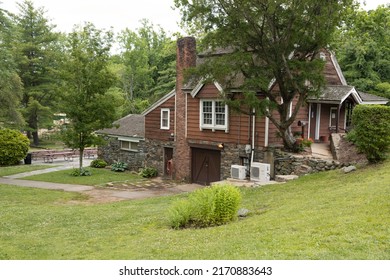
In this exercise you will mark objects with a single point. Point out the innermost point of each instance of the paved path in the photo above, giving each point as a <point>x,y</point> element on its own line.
<point>155,188</point>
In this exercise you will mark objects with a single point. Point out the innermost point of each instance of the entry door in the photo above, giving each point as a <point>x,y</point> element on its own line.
<point>313,120</point>
<point>206,166</point>
<point>168,155</point>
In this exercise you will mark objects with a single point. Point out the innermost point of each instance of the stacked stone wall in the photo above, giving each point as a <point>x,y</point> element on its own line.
<point>113,153</point>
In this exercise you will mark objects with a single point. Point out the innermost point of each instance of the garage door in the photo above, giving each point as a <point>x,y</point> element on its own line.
<point>206,166</point>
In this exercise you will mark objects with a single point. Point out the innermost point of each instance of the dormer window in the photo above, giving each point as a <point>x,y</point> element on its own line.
<point>322,56</point>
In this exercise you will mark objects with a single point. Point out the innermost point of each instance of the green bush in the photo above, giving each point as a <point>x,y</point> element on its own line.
<point>76,172</point>
<point>119,166</point>
<point>148,172</point>
<point>372,131</point>
<point>211,206</point>
<point>98,163</point>
<point>13,146</point>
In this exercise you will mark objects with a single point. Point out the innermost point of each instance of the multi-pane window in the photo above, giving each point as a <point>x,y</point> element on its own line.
<point>213,115</point>
<point>165,118</point>
<point>128,145</point>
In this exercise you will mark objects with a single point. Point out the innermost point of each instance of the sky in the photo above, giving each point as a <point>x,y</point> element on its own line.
<point>119,14</point>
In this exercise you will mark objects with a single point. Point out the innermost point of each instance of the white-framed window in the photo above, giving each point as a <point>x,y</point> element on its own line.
<point>214,115</point>
<point>128,145</point>
<point>165,119</point>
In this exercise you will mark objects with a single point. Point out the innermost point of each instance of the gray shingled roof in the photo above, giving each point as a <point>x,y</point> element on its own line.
<point>367,98</point>
<point>129,126</point>
<point>333,94</point>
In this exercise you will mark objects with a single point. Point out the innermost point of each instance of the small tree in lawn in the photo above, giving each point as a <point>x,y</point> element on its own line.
<point>87,102</point>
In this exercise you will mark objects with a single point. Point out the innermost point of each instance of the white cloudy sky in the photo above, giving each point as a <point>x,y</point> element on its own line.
<point>118,14</point>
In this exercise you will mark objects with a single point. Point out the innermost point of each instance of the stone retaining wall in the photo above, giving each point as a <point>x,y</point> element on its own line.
<point>288,164</point>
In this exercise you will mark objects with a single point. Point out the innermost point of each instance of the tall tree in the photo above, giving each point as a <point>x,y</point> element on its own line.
<point>87,101</point>
<point>363,50</point>
<point>267,40</point>
<point>10,83</point>
<point>35,42</point>
<point>147,57</point>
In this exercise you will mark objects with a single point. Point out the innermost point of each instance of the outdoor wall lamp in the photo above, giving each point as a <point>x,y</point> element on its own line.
<point>220,146</point>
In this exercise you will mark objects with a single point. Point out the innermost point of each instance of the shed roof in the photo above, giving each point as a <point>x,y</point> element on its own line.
<point>130,126</point>
<point>372,99</point>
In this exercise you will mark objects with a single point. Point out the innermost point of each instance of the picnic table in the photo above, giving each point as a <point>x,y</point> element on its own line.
<point>49,157</point>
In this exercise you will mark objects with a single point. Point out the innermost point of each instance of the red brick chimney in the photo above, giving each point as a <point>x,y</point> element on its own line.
<point>185,58</point>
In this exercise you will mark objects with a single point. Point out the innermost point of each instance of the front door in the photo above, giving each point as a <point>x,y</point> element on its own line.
<point>206,166</point>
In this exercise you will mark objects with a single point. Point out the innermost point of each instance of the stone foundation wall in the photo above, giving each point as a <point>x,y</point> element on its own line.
<point>154,154</point>
<point>112,153</point>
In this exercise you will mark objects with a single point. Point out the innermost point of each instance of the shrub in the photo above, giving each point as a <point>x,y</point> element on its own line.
<point>148,172</point>
<point>180,214</point>
<point>98,163</point>
<point>372,131</point>
<point>14,146</point>
<point>119,166</point>
<point>76,172</point>
<point>211,206</point>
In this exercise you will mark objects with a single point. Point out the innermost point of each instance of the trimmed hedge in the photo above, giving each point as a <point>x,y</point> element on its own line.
<point>13,146</point>
<point>372,131</point>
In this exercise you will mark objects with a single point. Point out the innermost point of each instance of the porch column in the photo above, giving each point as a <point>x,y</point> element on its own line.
<point>338,117</point>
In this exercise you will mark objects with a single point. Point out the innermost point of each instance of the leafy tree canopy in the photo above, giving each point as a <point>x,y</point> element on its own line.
<point>87,101</point>
<point>363,49</point>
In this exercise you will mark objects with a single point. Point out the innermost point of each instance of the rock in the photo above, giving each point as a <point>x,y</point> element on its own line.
<point>243,212</point>
<point>285,178</point>
<point>349,169</point>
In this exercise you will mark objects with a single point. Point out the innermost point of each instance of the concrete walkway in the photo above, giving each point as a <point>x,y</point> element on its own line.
<point>321,150</point>
<point>96,195</point>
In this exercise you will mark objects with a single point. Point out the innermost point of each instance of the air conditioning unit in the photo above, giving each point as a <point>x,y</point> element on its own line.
<point>238,172</point>
<point>260,172</point>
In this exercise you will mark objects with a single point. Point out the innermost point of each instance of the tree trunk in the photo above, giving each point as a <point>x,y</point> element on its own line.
<point>35,138</point>
<point>81,155</point>
<point>289,140</point>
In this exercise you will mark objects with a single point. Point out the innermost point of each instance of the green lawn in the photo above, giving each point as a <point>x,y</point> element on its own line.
<point>99,177</point>
<point>11,170</point>
<point>323,216</point>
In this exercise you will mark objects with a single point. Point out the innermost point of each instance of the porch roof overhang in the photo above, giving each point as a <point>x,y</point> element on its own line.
<point>336,95</point>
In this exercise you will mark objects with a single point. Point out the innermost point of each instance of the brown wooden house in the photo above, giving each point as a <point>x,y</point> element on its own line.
<point>191,134</point>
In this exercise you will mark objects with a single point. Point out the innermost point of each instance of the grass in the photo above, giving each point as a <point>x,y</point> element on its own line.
<point>11,170</point>
<point>100,176</point>
<point>329,215</point>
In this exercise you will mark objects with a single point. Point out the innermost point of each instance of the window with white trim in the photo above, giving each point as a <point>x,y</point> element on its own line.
<point>165,118</point>
<point>213,115</point>
<point>129,146</point>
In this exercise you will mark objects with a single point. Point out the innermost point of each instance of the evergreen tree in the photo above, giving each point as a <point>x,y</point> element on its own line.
<point>10,83</point>
<point>37,56</point>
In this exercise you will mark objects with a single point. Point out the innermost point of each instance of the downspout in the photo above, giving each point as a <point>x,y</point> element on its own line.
<point>253,134</point>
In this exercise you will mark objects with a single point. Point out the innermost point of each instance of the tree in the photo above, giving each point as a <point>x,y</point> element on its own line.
<point>87,102</point>
<point>10,83</point>
<point>267,40</point>
<point>148,68</point>
<point>363,50</point>
<point>37,56</point>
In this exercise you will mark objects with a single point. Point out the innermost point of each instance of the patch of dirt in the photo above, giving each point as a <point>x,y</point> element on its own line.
<point>347,153</point>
